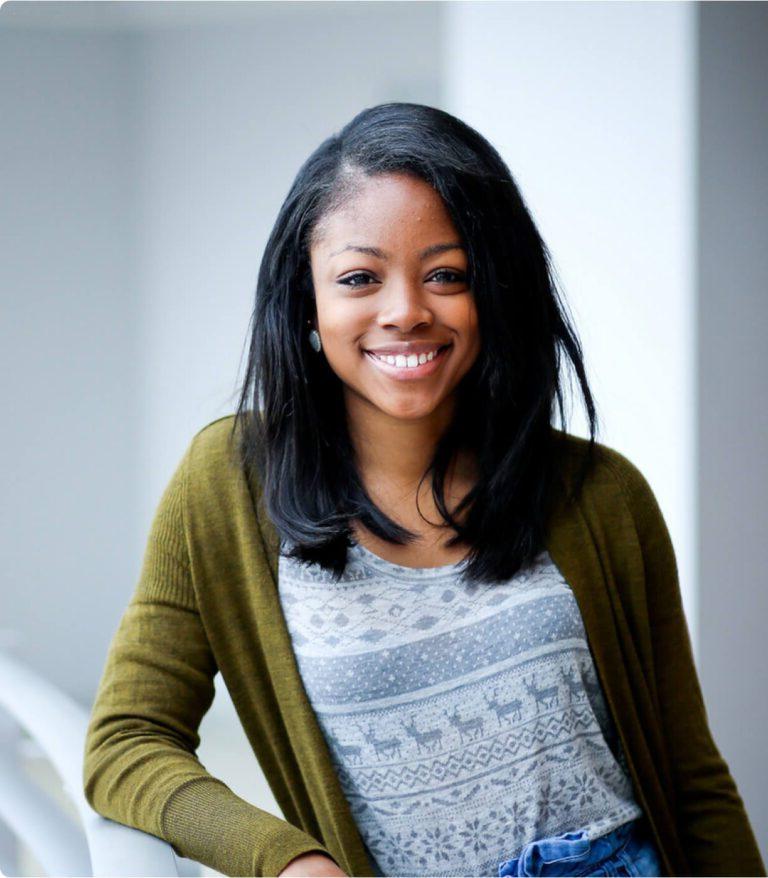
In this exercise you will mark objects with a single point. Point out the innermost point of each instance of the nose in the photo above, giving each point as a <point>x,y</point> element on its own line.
<point>404,307</point>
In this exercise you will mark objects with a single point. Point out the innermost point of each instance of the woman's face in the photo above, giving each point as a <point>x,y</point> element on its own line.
<point>389,273</point>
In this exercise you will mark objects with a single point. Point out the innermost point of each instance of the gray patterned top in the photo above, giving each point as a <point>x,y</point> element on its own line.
<point>464,720</point>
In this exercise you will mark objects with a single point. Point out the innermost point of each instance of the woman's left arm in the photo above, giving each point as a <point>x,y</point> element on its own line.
<point>714,827</point>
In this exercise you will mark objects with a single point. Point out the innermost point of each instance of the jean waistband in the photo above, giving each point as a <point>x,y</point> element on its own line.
<point>568,848</point>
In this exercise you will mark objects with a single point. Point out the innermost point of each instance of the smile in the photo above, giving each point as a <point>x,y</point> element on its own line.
<point>407,368</point>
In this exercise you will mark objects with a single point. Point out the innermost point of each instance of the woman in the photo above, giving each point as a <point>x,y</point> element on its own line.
<point>453,633</point>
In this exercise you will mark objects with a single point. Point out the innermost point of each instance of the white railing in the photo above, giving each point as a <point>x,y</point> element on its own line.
<point>56,726</point>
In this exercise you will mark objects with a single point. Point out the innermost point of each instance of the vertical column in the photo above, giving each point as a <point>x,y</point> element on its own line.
<point>733,387</point>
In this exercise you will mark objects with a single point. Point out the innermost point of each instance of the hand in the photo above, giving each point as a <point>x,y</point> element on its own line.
<point>312,865</point>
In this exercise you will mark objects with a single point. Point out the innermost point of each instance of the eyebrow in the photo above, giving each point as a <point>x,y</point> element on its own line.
<point>380,254</point>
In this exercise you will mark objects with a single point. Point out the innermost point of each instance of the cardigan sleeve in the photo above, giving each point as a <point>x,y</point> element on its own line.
<point>715,830</point>
<point>140,764</point>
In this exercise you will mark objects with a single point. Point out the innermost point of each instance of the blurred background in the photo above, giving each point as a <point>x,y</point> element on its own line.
<point>146,148</point>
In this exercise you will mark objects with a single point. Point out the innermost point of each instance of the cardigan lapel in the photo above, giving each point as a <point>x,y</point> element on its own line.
<point>340,832</point>
<point>575,551</point>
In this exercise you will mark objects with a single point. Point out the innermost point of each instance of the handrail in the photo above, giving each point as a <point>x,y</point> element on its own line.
<point>38,822</point>
<point>58,725</point>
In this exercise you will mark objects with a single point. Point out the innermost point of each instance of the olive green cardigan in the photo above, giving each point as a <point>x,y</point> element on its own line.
<point>207,601</point>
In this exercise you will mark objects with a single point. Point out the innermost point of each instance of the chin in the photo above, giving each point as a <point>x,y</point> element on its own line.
<point>411,412</point>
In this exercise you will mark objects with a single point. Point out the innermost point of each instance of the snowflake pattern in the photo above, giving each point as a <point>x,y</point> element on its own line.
<point>473,835</point>
<point>584,789</point>
<point>551,799</point>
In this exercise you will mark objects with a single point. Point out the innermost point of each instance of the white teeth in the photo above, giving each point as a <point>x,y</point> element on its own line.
<point>407,362</point>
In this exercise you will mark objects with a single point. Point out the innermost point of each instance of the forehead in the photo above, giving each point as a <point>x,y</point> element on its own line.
<point>396,208</point>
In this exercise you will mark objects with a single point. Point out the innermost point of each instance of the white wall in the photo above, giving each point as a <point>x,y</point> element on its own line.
<point>70,483</point>
<point>590,104</point>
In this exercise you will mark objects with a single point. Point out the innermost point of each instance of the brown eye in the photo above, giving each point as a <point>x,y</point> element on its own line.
<point>449,277</point>
<point>348,281</point>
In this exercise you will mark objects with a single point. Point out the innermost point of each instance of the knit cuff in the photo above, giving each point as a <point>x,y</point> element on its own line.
<point>205,821</point>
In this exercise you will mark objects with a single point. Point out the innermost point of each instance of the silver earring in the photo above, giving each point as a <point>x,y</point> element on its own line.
<point>314,340</point>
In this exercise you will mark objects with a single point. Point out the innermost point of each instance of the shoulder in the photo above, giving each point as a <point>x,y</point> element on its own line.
<point>211,457</point>
<point>214,439</point>
<point>613,478</point>
<point>221,497</point>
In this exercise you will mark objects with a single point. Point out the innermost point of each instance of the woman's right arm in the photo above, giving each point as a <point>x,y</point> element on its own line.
<point>140,764</point>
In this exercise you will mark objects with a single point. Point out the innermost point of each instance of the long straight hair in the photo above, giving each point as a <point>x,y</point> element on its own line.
<point>293,436</point>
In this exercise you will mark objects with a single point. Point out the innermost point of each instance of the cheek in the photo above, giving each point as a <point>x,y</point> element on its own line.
<point>467,324</point>
<point>341,329</point>
<point>462,316</point>
<point>341,339</point>
<point>347,325</point>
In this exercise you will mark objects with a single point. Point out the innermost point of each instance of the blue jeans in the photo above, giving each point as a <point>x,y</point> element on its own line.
<point>628,850</point>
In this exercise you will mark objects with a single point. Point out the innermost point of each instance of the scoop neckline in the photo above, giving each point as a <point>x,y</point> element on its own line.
<point>399,569</point>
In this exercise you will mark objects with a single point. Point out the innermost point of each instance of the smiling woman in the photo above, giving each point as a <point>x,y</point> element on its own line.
<point>453,632</point>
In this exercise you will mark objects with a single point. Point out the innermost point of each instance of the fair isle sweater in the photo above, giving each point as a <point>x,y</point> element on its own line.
<point>464,720</point>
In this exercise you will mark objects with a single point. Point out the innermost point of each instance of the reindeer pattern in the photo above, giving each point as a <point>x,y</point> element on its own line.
<point>463,720</point>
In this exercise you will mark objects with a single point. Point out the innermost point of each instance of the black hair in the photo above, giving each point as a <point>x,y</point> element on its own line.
<point>293,428</point>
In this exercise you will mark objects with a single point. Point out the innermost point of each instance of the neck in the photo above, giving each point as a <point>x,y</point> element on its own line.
<point>392,454</point>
